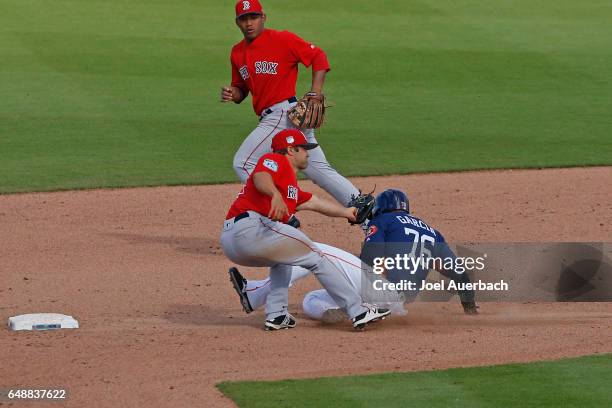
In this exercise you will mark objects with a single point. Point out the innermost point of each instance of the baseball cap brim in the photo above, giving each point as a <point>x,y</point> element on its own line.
<point>249,12</point>
<point>308,146</point>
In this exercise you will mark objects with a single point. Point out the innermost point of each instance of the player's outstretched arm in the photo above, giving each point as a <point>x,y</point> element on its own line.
<point>329,208</point>
<point>467,297</point>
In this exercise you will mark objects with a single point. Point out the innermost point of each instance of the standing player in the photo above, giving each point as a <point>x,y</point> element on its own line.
<point>265,64</point>
<point>387,235</point>
<point>255,233</point>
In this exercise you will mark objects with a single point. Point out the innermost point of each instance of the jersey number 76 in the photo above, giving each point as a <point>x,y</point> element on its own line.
<point>423,242</point>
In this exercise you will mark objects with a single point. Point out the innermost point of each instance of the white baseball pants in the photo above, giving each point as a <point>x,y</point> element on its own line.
<point>316,302</point>
<point>259,241</point>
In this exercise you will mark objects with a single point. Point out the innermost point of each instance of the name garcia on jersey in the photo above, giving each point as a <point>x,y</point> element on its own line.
<point>405,219</point>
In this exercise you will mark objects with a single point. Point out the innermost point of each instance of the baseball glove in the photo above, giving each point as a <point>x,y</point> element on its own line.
<point>309,112</point>
<point>364,204</point>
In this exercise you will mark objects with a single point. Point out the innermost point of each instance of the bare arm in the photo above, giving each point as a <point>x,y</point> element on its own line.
<point>318,78</point>
<point>265,185</point>
<point>329,208</point>
<point>232,94</point>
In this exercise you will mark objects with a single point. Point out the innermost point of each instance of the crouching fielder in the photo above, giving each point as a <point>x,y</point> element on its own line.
<point>256,233</point>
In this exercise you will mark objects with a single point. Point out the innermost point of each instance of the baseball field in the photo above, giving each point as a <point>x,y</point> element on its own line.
<point>494,118</point>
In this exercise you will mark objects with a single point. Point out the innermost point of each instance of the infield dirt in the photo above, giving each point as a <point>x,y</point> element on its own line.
<point>142,271</point>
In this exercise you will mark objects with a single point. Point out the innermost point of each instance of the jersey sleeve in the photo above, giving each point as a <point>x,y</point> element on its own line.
<point>374,245</point>
<point>306,53</point>
<point>269,164</point>
<point>237,80</point>
<point>441,248</point>
<point>375,232</point>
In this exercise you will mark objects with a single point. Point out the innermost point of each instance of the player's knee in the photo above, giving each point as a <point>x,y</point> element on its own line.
<point>307,299</point>
<point>238,162</point>
<point>239,165</point>
<point>320,263</point>
<point>312,305</point>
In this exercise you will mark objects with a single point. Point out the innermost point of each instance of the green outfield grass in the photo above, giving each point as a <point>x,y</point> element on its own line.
<point>580,382</point>
<point>116,93</point>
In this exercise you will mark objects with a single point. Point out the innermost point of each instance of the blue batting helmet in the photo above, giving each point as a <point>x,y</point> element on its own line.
<point>390,200</point>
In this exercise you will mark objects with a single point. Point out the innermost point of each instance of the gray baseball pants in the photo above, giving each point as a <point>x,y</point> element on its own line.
<point>319,170</point>
<point>259,241</point>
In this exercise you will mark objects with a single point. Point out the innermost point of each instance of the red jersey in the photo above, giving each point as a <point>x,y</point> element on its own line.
<point>285,181</point>
<point>268,66</point>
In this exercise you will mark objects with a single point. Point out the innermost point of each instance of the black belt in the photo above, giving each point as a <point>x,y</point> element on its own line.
<point>268,111</point>
<point>293,221</point>
<point>241,216</point>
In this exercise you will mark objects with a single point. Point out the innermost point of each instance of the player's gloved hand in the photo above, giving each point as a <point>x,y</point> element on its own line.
<point>309,112</point>
<point>470,308</point>
<point>363,203</point>
<point>278,208</point>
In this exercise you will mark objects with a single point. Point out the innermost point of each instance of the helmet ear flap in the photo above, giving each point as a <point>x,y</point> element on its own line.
<point>404,205</point>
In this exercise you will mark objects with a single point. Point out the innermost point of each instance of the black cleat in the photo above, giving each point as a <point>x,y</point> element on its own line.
<point>239,284</point>
<point>281,322</point>
<point>371,315</point>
